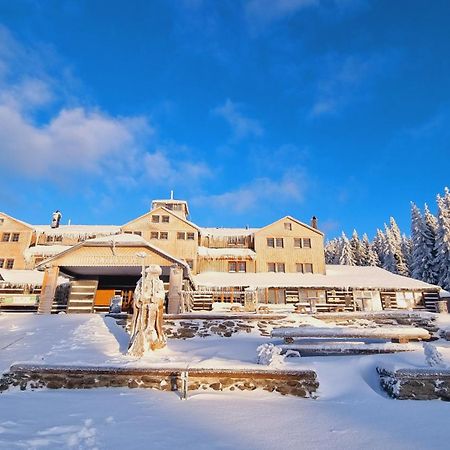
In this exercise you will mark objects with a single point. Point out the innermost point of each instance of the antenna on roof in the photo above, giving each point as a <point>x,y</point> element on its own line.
<point>171,195</point>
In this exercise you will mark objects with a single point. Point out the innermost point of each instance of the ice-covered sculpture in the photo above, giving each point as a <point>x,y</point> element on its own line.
<point>148,307</point>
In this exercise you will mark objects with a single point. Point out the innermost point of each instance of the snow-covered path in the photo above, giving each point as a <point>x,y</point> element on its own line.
<point>351,411</point>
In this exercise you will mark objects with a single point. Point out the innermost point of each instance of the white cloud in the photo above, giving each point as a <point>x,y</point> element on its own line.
<point>259,193</point>
<point>241,125</point>
<point>163,170</point>
<point>75,140</point>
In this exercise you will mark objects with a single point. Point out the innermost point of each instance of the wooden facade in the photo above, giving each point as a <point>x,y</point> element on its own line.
<point>15,237</point>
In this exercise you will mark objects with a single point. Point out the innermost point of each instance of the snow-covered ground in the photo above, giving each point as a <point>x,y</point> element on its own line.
<point>351,412</point>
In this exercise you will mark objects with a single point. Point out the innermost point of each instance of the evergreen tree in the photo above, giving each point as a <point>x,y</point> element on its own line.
<point>332,251</point>
<point>430,271</point>
<point>379,246</point>
<point>347,256</point>
<point>442,246</point>
<point>355,243</point>
<point>394,259</point>
<point>368,255</point>
<point>406,246</point>
<point>417,239</point>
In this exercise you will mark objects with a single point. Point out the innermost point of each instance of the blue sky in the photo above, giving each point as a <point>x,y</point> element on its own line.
<point>250,109</point>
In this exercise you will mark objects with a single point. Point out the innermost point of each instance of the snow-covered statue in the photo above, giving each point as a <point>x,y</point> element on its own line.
<point>56,218</point>
<point>148,307</point>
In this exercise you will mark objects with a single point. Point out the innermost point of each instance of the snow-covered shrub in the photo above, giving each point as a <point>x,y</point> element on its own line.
<point>432,355</point>
<point>269,355</point>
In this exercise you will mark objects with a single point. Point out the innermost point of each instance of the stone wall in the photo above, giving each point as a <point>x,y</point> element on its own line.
<point>299,383</point>
<point>416,384</point>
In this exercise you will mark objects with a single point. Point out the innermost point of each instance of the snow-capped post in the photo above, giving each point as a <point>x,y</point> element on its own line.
<point>148,307</point>
<point>250,300</point>
<point>184,376</point>
<point>175,288</point>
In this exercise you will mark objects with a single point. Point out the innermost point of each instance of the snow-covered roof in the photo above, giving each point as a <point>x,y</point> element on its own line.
<point>225,253</point>
<point>77,230</point>
<point>45,250</point>
<point>122,239</point>
<point>225,232</point>
<point>17,277</point>
<point>444,294</point>
<point>336,277</point>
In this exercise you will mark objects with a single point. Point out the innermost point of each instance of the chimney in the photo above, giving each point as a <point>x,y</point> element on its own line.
<point>56,218</point>
<point>314,222</point>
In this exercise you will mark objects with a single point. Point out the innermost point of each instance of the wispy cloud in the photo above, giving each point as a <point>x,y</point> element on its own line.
<point>343,79</point>
<point>262,12</point>
<point>257,193</point>
<point>241,125</point>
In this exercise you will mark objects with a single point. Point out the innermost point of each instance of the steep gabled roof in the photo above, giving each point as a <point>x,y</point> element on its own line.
<point>17,220</point>
<point>294,220</point>
<point>168,211</point>
<point>118,240</point>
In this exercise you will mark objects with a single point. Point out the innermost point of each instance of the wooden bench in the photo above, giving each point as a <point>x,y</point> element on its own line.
<point>395,334</point>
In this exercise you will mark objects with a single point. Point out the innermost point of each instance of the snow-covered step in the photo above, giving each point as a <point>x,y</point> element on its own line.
<point>346,348</point>
<point>82,295</point>
<point>401,334</point>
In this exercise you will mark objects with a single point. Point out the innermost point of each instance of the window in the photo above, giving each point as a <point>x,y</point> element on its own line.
<point>236,241</point>
<point>276,267</point>
<point>49,238</point>
<point>38,260</point>
<point>15,237</point>
<point>154,235</point>
<point>2,262</point>
<point>306,243</point>
<point>275,242</point>
<point>190,236</point>
<point>5,237</point>
<point>181,235</point>
<point>9,264</point>
<point>299,267</point>
<point>2,221</point>
<point>128,232</point>
<point>298,242</point>
<point>190,263</point>
<point>237,266</point>
<point>58,239</point>
<point>155,219</point>
<point>288,226</point>
<point>165,219</point>
<point>164,235</point>
<point>308,268</point>
<point>138,233</point>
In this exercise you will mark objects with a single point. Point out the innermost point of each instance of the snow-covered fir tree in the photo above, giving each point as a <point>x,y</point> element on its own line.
<point>368,255</point>
<point>346,257</point>
<point>332,251</point>
<point>394,259</point>
<point>355,244</point>
<point>417,242</point>
<point>379,246</point>
<point>442,246</point>
<point>430,271</point>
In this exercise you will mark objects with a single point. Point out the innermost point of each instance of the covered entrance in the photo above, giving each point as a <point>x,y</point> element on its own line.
<point>102,268</point>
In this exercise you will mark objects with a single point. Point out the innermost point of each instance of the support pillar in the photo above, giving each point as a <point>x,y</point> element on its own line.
<point>48,290</point>
<point>175,288</point>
